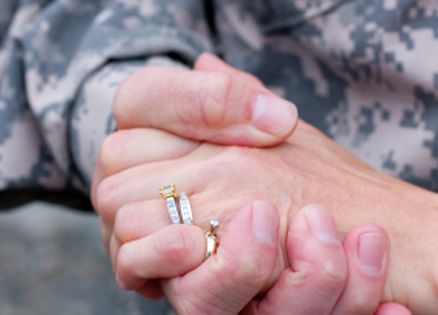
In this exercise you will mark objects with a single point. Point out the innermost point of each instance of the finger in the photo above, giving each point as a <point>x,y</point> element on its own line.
<point>143,183</point>
<point>135,221</point>
<point>317,273</point>
<point>367,250</point>
<point>140,183</point>
<point>129,228</point>
<point>206,106</point>
<point>105,234</point>
<point>191,174</point>
<point>98,176</point>
<point>114,246</point>
<point>242,267</point>
<point>209,62</point>
<point>139,219</point>
<point>392,309</point>
<point>172,251</point>
<point>127,148</point>
<point>151,290</point>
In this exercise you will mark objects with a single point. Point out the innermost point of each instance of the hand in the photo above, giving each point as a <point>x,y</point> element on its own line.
<point>316,281</point>
<point>224,107</point>
<point>230,178</point>
<point>303,161</point>
<point>218,107</point>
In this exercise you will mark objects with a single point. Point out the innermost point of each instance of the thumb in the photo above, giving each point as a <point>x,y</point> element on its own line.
<point>223,106</point>
<point>392,309</point>
<point>242,267</point>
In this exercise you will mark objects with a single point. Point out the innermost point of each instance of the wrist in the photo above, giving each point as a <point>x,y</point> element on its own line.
<point>414,259</point>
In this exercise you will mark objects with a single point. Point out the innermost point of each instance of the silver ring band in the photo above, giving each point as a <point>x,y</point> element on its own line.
<point>172,209</point>
<point>186,209</point>
<point>168,192</point>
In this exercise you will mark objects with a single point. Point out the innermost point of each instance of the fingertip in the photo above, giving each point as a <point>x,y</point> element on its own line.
<point>265,222</point>
<point>368,247</point>
<point>321,223</point>
<point>256,224</point>
<point>313,245</point>
<point>274,115</point>
<point>392,309</point>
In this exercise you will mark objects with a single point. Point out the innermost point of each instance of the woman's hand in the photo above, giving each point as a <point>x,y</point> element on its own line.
<point>323,275</point>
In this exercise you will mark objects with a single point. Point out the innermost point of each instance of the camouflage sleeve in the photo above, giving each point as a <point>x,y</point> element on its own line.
<point>60,64</point>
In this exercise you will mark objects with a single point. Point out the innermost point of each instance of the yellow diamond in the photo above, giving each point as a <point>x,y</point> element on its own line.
<point>168,191</point>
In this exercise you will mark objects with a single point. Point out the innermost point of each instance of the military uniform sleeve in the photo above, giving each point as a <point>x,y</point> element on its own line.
<point>60,65</point>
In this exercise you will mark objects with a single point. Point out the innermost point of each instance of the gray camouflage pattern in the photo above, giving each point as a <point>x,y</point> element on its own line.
<point>363,71</point>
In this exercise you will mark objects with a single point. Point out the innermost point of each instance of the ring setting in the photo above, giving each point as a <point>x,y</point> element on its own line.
<point>168,192</point>
<point>212,238</point>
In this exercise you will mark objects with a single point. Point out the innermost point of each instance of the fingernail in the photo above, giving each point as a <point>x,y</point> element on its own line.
<point>321,224</point>
<point>273,114</point>
<point>372,252</point>
<point>265,222</point>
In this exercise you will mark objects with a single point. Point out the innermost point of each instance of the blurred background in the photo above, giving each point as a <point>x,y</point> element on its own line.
<point>52,262</point>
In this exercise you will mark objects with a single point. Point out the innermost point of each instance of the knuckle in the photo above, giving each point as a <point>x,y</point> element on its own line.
<point>359,303</point>
<point>201,306</point>
<point>333,275</point>
<point>110,152</point>
<point>125,223</point>
<point>105,198</point>
<point>236,155</point>
<point>122,97</point>
<point>214,97</point>
<point>253,274</point>
<point>329,277</point>
<point>237,158</point>
<point>178,246</point>
<point>125,260</point>
<point>233,160</point>
<point>195,306</point>
<point>244,273</point>
<point>126,96</point>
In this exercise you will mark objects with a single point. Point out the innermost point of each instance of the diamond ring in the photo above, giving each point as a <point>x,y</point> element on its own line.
<point>168,192</point>
<point>212,239</point>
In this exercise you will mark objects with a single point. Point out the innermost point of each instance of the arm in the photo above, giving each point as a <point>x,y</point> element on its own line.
<point>59,68</point>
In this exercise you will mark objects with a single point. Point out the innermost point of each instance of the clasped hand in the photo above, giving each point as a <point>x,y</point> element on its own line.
<point>242,156</point>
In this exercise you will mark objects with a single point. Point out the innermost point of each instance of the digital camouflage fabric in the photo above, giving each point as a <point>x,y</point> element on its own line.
<point>365,72</point>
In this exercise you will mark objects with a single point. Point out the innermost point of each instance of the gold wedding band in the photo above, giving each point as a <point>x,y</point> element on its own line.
<point>212,239</point>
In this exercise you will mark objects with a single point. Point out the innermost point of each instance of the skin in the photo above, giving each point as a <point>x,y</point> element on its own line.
<point>319,171</point>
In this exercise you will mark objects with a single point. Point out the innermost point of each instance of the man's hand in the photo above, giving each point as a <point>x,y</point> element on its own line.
<point>209,106</point>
